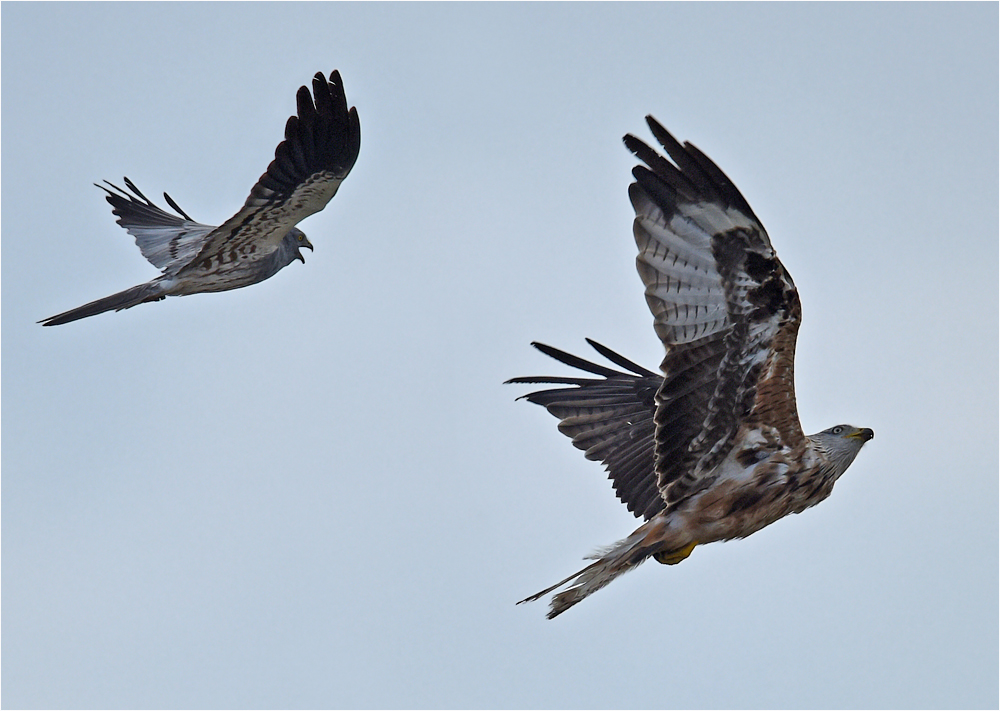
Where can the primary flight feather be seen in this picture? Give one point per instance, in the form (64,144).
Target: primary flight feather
(321,146)
(710,448)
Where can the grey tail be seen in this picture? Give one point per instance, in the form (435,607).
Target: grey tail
(150,291)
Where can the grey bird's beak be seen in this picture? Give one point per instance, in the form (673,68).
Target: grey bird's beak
(298,252)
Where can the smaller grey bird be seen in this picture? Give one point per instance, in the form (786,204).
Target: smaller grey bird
(321,146)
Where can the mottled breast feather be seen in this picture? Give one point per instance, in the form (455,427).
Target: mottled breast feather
(724,307)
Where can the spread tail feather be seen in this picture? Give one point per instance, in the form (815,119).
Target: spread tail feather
(150,291)
(623,556)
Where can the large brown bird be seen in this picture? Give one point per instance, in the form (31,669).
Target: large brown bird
(711,448)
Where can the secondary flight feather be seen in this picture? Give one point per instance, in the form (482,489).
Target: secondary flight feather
(710,448)
(321,145)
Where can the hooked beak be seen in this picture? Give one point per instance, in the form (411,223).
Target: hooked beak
(298,252)
(863,434)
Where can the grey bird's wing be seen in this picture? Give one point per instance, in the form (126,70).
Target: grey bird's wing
(167,241)
(321,146)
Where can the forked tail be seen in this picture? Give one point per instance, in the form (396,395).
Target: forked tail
(150,291)
(627,554)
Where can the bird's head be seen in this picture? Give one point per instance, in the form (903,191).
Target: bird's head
(841,443)
(296,239)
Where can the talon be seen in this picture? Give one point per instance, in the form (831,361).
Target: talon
(675,557)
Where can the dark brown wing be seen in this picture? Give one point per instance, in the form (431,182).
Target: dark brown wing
(724,307)
(610,418)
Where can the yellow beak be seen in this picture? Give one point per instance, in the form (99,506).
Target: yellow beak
(864,434)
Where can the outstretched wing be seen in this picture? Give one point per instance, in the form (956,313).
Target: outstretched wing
(610,418)
(166,240)
(321,146)
(724,307)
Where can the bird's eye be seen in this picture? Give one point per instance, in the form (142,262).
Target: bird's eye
(300,237)
(837,430)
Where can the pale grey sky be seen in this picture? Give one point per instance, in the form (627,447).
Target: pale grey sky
(315,492)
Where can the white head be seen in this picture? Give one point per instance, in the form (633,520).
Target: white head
(841,444)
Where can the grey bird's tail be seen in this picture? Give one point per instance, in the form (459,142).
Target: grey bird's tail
(626,555)
(150,291)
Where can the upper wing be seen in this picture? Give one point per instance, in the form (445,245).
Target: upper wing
(321,146)
(164,239)
(610,419)
(724,307)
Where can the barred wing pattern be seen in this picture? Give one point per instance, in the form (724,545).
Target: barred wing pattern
(321,146)
(712,449)
(610,419)
(727,313)
(163,239)
(724,307)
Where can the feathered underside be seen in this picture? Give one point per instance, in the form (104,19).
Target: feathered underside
(724,307)
(610,419)
(171,241)
(712,448)
(727,313)
(168,241)
(321,146)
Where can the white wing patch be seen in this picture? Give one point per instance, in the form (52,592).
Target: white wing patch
(165,239)
(683,287)
(714,219)
(166,246)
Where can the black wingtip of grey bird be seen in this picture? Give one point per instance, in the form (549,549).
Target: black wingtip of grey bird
(108,183)
(175,206)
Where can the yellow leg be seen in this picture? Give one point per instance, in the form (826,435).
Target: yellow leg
(675,557)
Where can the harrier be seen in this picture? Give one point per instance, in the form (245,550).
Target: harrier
(321,146)
(709,449)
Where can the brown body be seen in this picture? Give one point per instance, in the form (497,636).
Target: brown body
(711,449)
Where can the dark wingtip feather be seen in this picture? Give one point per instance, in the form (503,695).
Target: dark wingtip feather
(618,359)
(573,361)
(175,206)
(695,175)
(581,364)
(323,136)
(304,103)
(666,139)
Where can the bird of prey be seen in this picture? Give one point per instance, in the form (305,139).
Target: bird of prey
(709,449)
(321,146)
